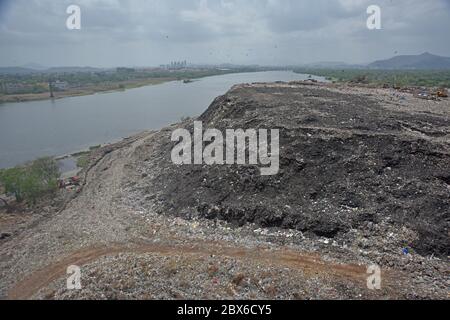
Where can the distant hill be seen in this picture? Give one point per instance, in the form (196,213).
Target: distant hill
(34,66)
(72,69)
(29,70)
(16,70)
(333,65)
(422,61)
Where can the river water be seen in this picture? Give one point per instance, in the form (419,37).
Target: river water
(29,130)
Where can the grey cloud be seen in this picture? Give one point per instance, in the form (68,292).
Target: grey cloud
(239,31)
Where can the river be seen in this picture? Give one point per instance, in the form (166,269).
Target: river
(29,130)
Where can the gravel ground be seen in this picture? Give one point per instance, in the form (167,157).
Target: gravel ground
(131,245)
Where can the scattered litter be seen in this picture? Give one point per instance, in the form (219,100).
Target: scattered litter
(442,93)
(70,183)
(4,236)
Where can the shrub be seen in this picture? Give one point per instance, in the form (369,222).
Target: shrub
(32,181)
(83,160)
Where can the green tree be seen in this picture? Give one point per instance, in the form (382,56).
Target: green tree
(2,190)
(12,181)
(32,181)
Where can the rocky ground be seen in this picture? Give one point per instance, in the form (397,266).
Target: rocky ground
(364,180)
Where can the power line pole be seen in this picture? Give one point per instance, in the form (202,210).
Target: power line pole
(50,87)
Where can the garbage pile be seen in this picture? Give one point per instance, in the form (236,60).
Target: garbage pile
(345,160)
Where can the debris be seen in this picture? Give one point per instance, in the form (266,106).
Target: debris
(238,279)
(442,93)
(4,235)
(426,96)
(69,183)
(315,184)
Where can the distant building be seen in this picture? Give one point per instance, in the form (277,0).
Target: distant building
(60,85)
(3,87)
(11,88)
(175,65)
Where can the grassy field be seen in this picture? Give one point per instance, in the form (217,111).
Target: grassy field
(402,78)
(82,91)
(89,83)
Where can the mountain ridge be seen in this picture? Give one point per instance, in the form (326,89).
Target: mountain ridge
(422,61)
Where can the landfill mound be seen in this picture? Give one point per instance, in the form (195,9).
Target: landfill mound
(350,159)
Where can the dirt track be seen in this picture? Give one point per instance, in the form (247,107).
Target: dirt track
(283,258)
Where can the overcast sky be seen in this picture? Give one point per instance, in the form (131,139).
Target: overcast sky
(268,32)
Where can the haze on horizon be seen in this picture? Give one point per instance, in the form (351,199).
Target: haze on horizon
(265,32)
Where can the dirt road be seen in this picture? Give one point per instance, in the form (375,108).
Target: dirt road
(29,286)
